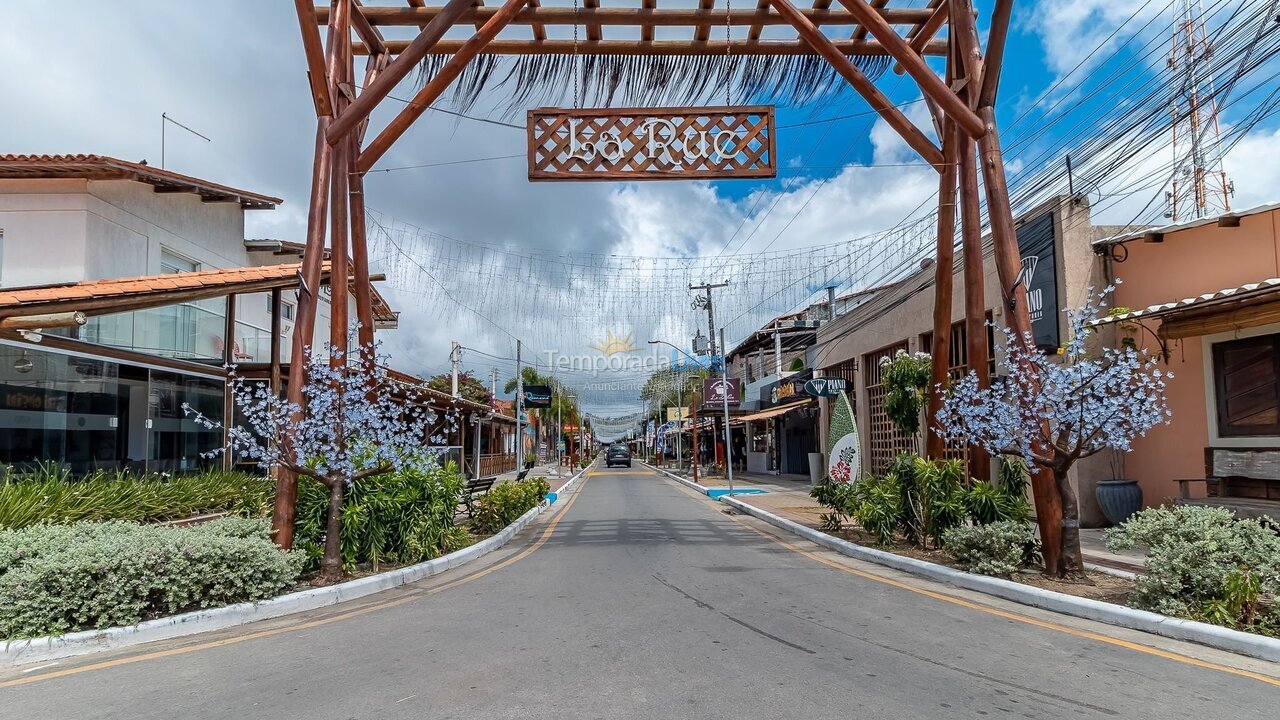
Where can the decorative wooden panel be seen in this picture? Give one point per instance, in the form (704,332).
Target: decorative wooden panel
(652,143)
(884,440)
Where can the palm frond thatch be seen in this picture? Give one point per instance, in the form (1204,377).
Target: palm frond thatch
(646,80)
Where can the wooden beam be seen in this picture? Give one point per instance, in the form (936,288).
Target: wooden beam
(228,360)
(964,32)
(975,295)
(930,84)
(433,89)
(409,57)
(702,31)
(646,30)
(659,47)
(996,36)
(635,17)
(314,53)
(861,32)
(762,6)
(593,28)
(539,29)
(860,82)
(371,36)
(927,32)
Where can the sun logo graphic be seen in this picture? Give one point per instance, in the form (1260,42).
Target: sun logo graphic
(614,344)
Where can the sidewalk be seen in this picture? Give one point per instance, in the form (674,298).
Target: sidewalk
(788,496)
(546,470)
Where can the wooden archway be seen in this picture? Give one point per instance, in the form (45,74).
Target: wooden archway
(961,101)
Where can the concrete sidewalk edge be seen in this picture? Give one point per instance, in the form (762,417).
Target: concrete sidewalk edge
(33,650)
(1235,641)
(689,483)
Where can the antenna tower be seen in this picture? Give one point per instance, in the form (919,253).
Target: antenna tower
(1200,185)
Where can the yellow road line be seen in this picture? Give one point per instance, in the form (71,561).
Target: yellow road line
(156,655)
(1086,634)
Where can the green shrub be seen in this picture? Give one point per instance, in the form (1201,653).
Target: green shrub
(56,579)
(876,504)
(402,517)
(1205,564)
(906,380)
(506,502)
(996,548)
(49,494)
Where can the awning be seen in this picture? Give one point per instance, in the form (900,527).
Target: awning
(773,412)
(1240,307)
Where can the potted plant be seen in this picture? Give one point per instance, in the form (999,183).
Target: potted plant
(530,459)
(1119,497)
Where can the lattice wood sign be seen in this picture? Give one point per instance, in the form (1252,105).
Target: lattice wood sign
(652,143)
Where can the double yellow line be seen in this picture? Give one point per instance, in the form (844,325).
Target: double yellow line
(156,655)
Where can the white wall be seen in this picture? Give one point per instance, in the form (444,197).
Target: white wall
(68,230)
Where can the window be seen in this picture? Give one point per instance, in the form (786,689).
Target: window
(286,309)
(171,263)
(1246,379)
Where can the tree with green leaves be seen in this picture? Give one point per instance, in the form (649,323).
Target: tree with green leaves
(468,387)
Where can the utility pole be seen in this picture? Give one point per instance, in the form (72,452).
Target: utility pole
(455,356)
(679,416)
(519,405)
(493,383)
(777,347)
(724,394)
(704,302)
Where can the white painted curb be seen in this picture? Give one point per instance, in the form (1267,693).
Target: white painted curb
(1214,636)
(21,652)
(688,483)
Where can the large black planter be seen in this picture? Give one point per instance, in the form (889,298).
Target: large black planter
(1119,499)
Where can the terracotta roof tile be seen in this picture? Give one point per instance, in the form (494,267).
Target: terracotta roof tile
(102,167)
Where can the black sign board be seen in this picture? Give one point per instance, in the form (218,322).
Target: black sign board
(826,387)
(1039,275)
(537,396)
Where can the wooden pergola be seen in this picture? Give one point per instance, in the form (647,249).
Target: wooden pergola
(846,34)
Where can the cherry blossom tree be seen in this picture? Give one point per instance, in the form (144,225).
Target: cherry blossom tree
(357,423)
(1053,411)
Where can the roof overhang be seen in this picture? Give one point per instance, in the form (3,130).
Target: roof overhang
(1228,309)
(1228,219)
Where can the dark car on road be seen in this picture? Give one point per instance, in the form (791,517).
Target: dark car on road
(617,454)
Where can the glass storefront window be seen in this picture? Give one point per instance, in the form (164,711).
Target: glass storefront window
(90,414)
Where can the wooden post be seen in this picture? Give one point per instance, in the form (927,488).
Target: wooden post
(975,303)
(228,359)
(360,255)
(942,288)
(275,340)
(1048,501)
(340,274)
(286,495)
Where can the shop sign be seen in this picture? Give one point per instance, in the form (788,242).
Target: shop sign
(714,391)
(1039,275)
(826,387)
(537,396)
(677,414)
(784,391)
(651,143)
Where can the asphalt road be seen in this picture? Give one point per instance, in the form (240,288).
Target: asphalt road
(642,600)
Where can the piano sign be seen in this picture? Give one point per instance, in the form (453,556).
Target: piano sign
(652,143)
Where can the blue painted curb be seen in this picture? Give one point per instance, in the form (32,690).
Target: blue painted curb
(717,493)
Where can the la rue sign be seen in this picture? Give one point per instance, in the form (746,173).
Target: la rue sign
(651,143)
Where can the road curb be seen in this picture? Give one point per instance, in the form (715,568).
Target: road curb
(45,649)
(1243,643)
(688,483)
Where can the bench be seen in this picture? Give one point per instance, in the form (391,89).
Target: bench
(1245,481)
(474,488)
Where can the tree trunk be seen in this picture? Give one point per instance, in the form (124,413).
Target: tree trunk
(1070,561)
(331,565)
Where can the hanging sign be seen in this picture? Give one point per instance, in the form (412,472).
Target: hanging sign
(845,462)
(825,387)
(537,396)
(652,143)
(677,414)
(714,391)
(1039,275)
